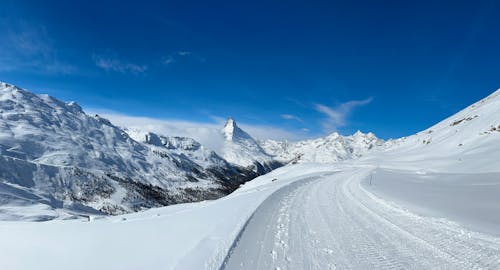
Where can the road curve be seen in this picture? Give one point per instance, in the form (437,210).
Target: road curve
(331,222)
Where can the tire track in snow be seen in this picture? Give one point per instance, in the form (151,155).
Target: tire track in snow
(333,223)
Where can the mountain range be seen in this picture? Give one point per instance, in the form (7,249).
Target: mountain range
(56,161)
(64,162)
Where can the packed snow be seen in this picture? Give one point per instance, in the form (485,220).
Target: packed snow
(184,236)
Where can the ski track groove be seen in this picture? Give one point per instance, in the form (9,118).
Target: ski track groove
(333,222)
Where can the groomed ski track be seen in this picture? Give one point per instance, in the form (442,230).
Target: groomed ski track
(334,222)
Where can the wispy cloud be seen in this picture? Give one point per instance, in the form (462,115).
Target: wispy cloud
(292,117)
(168,60)
(184,53)
(115,64)
(29,47)
(179,55)
(207,133)
(337,117)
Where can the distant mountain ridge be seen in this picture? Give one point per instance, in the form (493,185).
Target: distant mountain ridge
(331,148)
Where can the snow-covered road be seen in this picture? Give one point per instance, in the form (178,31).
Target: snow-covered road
(332,222)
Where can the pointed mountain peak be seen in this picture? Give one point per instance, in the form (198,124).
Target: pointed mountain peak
(230,129)
(233,132)
(230,123)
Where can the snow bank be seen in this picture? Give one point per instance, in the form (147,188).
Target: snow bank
(185,236)
(469,199)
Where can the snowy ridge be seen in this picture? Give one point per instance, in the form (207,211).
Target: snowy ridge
(53,153)
(331,148)
(188,147)
(467,137)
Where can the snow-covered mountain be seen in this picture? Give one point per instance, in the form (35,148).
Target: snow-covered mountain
(466,137)
(206,160)
(241,149)
(188,147)
(428,200)
(53,155)
(331,148)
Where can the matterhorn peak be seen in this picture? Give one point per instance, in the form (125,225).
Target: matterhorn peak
(230,123)
(232,132)
(229,128)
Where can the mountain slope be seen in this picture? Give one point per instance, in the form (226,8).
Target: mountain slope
(54,154)
(467,137)
(331,148)
(208,163)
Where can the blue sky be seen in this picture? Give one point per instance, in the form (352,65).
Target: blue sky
(300,68)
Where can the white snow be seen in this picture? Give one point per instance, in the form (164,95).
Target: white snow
(240,148)
(331,148)
(188,147)
(409,205)
(185,236)
(52,153)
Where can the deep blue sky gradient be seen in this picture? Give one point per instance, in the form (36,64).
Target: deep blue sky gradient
(420,61)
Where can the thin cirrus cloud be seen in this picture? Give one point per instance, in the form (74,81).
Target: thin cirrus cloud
(115,64)
(29,47)
(337,117)
(291,117)
(180,55)
(184,53)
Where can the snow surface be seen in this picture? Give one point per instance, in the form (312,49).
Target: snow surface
(470,199)
(331,222)
(469,137)
(391,208)
(184,236)
(331,148)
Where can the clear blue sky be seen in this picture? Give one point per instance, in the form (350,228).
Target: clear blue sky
(311,67)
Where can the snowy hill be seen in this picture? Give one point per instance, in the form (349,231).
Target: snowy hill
(241,149)
(53,155)
(331,148)
(466,138)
